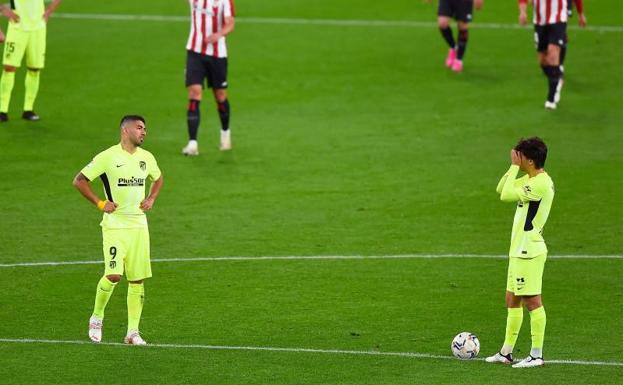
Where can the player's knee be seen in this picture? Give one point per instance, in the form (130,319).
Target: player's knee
(114,278)
(220,95)
(443,22)
(10,68)
(194,92)
(463,26)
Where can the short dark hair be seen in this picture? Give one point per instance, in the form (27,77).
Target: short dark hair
(131,118)
(534,149)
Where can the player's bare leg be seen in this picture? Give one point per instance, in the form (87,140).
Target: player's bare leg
(31,88)
(6,88)
(195,91)
(136,297)
(220,96)
(105,287)
(446,31)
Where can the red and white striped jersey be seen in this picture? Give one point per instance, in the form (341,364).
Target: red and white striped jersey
(548,11)
(207,17)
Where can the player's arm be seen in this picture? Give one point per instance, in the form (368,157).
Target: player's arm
(154,190)
(523,12)
(579,6)
(81,183)
(8,13)
(228,27)
(50,9)
(478,4)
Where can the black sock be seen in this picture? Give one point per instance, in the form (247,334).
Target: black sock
(193,118)
(447,35)
(553,77)
(463,35)
(223,113)
(563,53)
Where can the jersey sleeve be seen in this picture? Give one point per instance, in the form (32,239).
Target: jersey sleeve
(154,172)
(514,192)
(229,10)
(96,167)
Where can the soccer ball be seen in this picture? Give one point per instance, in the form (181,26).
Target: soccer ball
(465,346)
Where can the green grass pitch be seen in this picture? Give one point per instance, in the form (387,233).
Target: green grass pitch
(348,140)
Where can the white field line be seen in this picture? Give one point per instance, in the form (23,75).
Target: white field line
(312,257)
(288,350)
(327,22)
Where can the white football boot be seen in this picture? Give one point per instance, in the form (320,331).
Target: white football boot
(225,140)
(191,149)
(498,357)
(550,105)
(134,338)
(95,329)
(529,362)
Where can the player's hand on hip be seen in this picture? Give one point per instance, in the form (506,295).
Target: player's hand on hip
(12,16)
(147,204)
(110,207)
(582,20)
(213,39)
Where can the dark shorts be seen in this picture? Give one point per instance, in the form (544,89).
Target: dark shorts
(545,35)
(461,10)
(200,68)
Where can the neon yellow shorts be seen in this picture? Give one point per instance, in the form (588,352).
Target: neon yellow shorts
(127,249)
(525,275)
(19,43)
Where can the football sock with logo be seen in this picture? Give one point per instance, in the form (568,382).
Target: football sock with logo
(463,35)
(136,298)
(193,118)
(102,295)
(514,320)
(553,77)
(223,113)
(6,87)
(447,35)
(538,320)
(31,84)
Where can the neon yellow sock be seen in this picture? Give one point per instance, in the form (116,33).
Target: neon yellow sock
(31,84)
(514,320)
(538,319)
(102,295)
(6,87)
(136,298)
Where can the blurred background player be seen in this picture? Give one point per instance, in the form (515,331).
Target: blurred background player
(124,170)
(533,194)
(550,32)
(579,6)
(206,60)
(26,35)
(461,11)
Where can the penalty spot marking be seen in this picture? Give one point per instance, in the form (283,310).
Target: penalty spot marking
(310,257)
(288,350)
(329,22)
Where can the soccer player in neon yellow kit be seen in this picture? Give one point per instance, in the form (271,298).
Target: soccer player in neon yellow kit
(533,193)
(26,35)
(124,170)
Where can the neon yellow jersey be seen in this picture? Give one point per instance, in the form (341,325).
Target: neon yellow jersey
(534,197)
(30,14)
(123,176)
